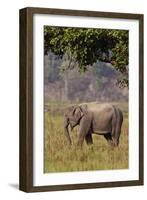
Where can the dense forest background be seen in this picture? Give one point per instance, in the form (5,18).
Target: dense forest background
(98,83)
(85,64)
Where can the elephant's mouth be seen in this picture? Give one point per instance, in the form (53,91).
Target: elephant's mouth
(72,125)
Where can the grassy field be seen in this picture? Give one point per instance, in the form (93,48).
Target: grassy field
(60,157)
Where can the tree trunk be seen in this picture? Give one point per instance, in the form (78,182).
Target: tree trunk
(66,86)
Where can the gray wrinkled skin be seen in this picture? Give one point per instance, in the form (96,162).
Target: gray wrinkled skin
(94,118)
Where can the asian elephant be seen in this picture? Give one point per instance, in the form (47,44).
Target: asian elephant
(102,119)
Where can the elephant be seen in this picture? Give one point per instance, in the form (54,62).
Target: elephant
(94,118)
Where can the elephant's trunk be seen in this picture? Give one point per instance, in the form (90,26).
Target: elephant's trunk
(66,131)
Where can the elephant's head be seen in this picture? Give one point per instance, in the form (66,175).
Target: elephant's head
(72,117)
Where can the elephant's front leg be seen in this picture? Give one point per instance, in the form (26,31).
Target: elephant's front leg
(85,125)
(80,140)
(81,135)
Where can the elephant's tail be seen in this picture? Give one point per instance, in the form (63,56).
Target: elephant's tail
(117,123)
(114,122)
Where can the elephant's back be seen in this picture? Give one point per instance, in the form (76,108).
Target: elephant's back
(100,107)
(102,117)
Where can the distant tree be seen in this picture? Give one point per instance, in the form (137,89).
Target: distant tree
(84,46)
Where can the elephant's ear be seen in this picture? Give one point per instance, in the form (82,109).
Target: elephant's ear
(84,109)
(78,112)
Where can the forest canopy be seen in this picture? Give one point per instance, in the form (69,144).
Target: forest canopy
(85,46)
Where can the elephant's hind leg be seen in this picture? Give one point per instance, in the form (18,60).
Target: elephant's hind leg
(88,139)
(108,137)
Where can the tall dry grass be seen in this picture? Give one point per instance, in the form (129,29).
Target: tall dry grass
(60,157)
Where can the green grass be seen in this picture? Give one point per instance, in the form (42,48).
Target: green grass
(60,157)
